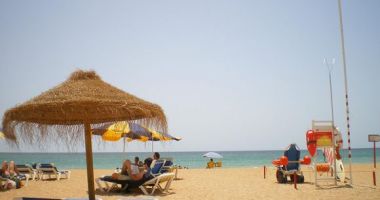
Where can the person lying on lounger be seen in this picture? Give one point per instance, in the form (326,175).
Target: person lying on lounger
(140,178)
(133,180)
(125,174)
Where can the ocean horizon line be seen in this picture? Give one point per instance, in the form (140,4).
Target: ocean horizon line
(359,148)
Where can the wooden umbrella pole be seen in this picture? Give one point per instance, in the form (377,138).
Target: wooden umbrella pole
(89,161)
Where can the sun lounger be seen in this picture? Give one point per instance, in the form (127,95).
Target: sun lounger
(168,164)
(169,167)
(156,170)
(107,180)
(27,170)
(156,182)
(38,198)
(139,198)
(50,170)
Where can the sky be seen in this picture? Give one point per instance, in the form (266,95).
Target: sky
(230,75)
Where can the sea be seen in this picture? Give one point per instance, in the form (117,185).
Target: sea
(191,160)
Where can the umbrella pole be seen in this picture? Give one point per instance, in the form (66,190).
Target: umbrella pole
(89,161)
(124,144)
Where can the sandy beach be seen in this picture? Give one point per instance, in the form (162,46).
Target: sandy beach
(223,183)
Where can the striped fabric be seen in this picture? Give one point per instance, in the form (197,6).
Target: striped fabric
(329,155)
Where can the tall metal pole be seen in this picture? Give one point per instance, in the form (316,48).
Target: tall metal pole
(346,88)
(332,119)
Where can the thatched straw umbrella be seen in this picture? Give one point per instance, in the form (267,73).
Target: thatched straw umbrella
(82,100)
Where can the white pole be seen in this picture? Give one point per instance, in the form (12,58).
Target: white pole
(332,117)
(124,144)
(346,88)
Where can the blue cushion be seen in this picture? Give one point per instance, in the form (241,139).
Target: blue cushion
(168,163)
(157,167)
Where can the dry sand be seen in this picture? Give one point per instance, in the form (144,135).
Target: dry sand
(223,183)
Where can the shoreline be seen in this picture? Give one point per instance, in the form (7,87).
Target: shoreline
(219,183)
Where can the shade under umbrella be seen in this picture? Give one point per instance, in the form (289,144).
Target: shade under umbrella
(74,105)
(212,155)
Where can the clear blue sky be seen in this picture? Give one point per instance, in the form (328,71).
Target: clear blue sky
(230,75)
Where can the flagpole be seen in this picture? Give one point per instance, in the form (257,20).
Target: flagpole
(346,87)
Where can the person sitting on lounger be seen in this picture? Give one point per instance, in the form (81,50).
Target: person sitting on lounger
(133,180)
(156,156)
(140,178)
(10,172)
(4,169)
(5,183)
(15,174)
(211,164)
(135,166)
(128,171)
(125,174)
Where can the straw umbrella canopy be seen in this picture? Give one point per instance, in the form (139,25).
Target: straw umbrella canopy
(74,105)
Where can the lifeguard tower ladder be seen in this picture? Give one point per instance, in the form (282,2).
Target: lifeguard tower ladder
(325,141)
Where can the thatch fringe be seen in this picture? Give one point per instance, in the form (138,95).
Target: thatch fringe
(69,137)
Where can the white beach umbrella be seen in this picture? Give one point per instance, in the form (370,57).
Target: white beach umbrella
(212,155)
